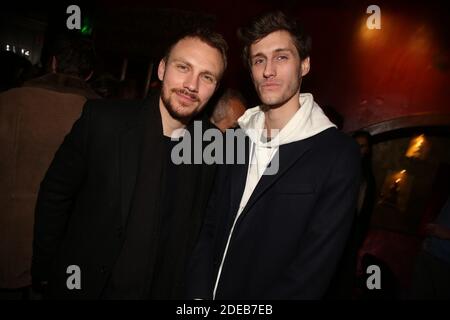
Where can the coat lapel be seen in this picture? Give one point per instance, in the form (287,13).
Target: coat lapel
(130,150)
(239,178)
(288,155)
(139,143)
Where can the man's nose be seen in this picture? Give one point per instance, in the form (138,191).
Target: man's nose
(191,82)
(269,70)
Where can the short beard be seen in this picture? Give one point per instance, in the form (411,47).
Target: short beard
(267,107)
(171,110)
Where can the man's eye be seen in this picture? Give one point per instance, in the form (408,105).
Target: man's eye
(182,67)
(258,61)
(280,58)
(209,79)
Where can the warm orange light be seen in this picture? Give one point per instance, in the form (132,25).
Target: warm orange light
(399,177)
(416,145)
(420,41)
(366,34)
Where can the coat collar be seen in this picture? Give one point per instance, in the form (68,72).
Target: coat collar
(288,155)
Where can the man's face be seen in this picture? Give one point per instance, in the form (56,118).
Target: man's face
(189,77)
(235,109)
(276,68)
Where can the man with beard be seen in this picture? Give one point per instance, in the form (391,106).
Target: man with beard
(278,235)
(115,217)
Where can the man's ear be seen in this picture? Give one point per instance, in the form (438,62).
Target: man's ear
(305,66)
(161,69)
(217,86)
(54,64)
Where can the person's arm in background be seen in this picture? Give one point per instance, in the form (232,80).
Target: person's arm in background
(56,196)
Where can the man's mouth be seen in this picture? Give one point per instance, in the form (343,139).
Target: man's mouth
(270,85)
(185,95)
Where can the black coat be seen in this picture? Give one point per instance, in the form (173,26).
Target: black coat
(109,165)
(291,234)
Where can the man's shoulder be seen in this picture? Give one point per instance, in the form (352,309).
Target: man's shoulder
(336,137)
(12,93)
(114,110)
(334,141)
(62,84)
(121,106)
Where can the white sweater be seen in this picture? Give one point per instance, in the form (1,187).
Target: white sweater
(308,121)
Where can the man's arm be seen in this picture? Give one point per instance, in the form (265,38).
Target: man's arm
(309,276)
(56,197)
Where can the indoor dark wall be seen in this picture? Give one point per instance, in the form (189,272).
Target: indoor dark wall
(368,76)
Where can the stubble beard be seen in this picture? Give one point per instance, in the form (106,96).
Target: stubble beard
(172,110)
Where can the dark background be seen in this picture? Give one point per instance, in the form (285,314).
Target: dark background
(393,82)
(365,76)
